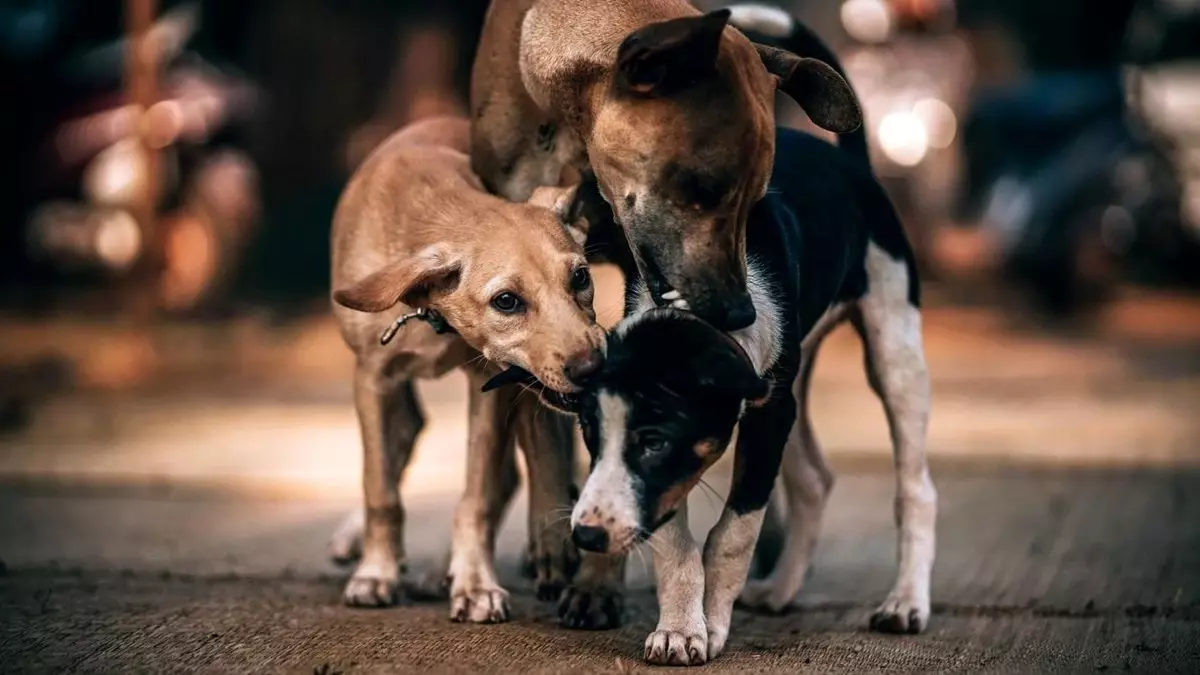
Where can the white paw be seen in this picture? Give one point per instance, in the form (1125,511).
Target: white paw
(480,604)
(765,596)
(716,642)
(901,613)
(668,648)
(345,546)
(373,585)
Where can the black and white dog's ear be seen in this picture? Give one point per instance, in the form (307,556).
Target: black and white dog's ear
(727,368)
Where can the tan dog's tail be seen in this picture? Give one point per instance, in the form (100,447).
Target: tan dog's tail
(774,26)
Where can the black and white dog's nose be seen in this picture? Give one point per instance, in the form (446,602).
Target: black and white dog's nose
(590,538)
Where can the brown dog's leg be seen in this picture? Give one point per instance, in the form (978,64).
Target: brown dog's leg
(475,594)
(595,600)
(548,441)
(390,418)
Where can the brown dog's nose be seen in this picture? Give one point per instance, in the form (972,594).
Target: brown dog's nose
(579,367)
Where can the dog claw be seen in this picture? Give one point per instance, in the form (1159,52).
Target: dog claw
(900,616)
(485,605)
(366,591)
(590,608)
(668,648)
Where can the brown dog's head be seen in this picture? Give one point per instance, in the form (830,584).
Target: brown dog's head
(520,292)
(682,142)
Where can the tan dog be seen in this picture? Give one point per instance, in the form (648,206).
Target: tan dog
(670,109)
(414,229)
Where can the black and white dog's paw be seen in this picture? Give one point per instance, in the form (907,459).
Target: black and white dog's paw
(669,648)
(901,613)
(374,585)
(591,607)
(765,596)
(477,601)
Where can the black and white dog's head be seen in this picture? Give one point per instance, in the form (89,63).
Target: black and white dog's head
(657,415)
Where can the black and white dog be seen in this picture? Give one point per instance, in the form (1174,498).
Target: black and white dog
(823,246)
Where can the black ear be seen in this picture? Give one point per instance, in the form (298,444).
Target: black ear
(816,87)
(727,368)
(669,56)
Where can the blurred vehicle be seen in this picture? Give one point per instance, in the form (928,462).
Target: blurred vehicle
(911,72)
(103,157)
(1078,183)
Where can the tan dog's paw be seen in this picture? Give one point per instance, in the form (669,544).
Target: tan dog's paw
(764,596)
(668,648)
(483,604)
(374,586)
(591,607)
(901,613)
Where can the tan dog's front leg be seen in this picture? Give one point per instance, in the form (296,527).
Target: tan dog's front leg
(548,441)
(390,418)
(475,594)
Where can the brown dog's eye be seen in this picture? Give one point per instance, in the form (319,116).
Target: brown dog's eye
(508,303)
(581,279)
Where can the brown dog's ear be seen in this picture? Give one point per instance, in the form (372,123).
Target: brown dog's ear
(668,56)
(561,202)
(817,87)
(407,280)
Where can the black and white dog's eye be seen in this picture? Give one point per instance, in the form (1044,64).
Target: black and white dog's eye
(581,279)
(655,446)
(508,303)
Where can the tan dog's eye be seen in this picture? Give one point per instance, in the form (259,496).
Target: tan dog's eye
(508,303)
(581,279)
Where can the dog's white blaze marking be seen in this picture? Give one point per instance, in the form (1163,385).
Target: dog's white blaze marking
(762,340)
(727,555)
(609,488)
(893,328)
(765,19)
(679,576)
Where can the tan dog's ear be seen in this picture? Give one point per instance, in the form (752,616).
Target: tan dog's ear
(579,208)
(668,56)
(817,87)
(408,280)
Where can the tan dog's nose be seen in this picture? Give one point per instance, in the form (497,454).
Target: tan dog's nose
(579,367)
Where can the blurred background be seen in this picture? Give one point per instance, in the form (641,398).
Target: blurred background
(172,168)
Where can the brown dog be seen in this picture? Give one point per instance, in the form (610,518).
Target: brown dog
(415,230)
(670,109)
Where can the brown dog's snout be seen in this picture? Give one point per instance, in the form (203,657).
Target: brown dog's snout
(727,311)
(580,366)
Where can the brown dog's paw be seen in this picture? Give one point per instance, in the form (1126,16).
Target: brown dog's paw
(369,588)
(668,648)
(900,614)
(479,605)
(584,607)
(555,565)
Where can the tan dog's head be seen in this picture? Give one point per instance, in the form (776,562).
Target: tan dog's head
(520,292)
(682,142)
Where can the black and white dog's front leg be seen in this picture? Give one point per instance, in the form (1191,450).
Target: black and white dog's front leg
(762,434)
(680,639)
